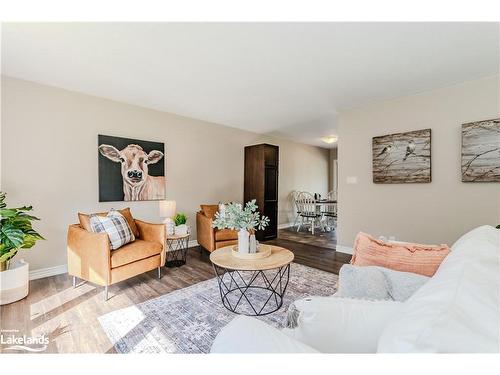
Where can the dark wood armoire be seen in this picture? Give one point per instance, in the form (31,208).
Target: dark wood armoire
(261,184)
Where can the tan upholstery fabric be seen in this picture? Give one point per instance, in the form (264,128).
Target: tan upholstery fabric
(220,244)
(205,232)
(208,237)
(85,220)
(154,233)
(88,255)
(209,210)
(226,235)
(134,251)
(133,269)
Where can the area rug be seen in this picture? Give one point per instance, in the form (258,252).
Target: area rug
(189,319)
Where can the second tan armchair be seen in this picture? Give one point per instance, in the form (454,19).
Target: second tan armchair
(208,237)
(90,257)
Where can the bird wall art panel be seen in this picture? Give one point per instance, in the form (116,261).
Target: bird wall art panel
(402,158)
(481,151)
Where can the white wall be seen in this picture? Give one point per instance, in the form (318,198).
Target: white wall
(49,160)
(436,212)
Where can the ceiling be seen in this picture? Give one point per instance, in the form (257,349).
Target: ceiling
(285,79)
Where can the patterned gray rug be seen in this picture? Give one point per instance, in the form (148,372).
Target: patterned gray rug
(189,319)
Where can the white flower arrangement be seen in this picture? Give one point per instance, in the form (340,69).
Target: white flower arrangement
(237,217)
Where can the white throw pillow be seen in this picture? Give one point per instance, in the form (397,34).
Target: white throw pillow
(373,282)
(115,226)
(342,325)
(458,309)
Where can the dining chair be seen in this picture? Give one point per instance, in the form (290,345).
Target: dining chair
(294,197)
(307,207)
(329,210)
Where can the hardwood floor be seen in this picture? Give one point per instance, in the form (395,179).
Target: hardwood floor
(325,259)
(319,238)
(69,316)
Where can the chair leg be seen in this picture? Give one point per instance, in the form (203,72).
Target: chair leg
(159,272)
(296,220)
(300,224)
(106,293)
(313,221)
(74,281)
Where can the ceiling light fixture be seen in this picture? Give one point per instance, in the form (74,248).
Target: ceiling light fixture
(330,139)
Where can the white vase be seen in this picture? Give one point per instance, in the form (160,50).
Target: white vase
(253,244)
(14,284)
(243,241)
(181,230)
(169,226)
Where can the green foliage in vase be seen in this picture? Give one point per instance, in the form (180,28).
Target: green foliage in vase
(180,219)
(238,217)
(16,231)
(498,226)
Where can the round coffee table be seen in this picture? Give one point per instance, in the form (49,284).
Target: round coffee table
(253,287)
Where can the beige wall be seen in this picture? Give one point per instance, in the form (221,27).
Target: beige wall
(437,212)
(332,173)
(49,159)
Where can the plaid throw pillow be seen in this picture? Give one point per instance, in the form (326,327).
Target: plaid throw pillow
(116,227)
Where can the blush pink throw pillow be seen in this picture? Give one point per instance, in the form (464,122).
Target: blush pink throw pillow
(406,257)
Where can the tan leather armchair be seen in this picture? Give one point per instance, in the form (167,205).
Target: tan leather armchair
(210,238)
(90,257)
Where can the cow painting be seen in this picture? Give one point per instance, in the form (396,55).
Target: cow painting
(140,166)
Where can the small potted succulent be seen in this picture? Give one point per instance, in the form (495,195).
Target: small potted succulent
(181,229)
(244,219)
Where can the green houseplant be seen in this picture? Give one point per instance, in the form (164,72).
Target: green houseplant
(16,231)
(180,221)
(244,219)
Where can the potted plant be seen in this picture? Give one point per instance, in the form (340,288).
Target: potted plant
(243,219)
(16,232)
(181,228)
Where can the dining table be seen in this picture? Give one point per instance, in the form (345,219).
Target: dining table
(325,205)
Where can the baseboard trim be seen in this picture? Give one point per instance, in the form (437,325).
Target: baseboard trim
(193,243)
(344,249)
(284,226)
(49,271)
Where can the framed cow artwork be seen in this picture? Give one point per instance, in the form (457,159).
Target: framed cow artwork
(130,169)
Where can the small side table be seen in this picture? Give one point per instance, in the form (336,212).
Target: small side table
(176,250)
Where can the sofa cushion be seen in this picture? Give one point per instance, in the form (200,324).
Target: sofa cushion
(115,226)
(226,235)
(85,220)
(209,210)
(340,325)
(134,251)
(457,310)
(249,335)
(405,257)
(374,282)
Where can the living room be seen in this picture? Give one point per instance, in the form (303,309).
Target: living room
(212,187)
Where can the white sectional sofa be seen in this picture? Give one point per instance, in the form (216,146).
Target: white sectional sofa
(457,310)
